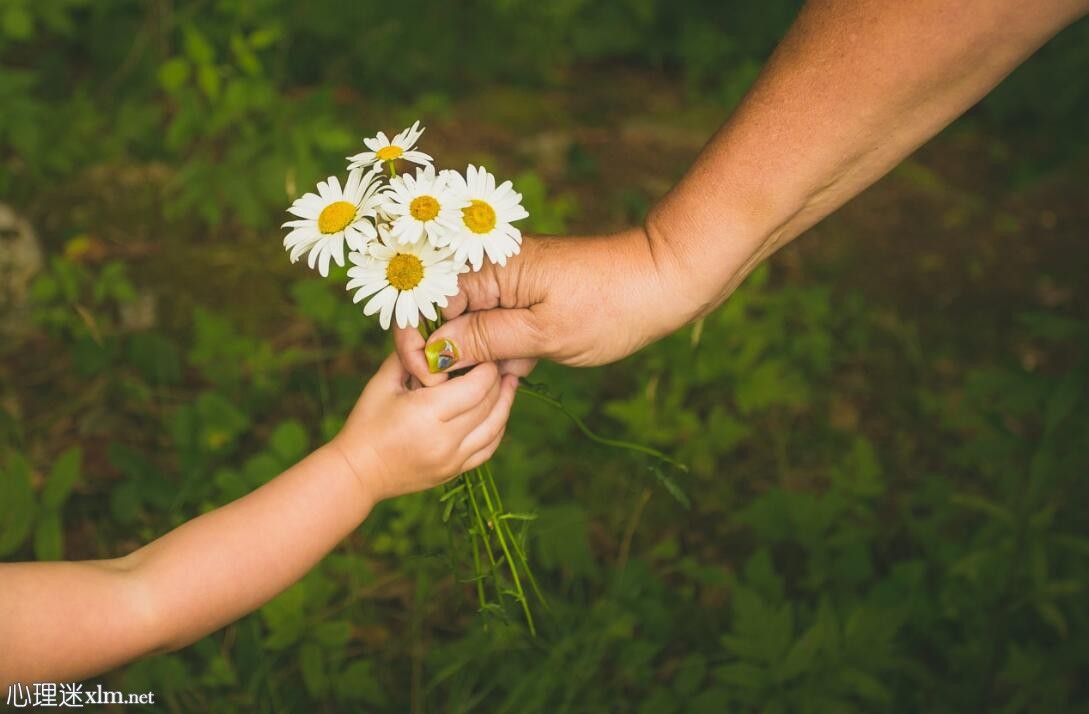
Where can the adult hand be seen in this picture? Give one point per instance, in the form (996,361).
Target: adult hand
(577,301)
(834,110)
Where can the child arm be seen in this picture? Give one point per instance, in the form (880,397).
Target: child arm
(63,621)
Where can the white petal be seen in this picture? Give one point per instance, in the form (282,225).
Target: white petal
(304,211)
(406,310)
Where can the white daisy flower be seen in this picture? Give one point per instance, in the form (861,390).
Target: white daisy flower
(422,206)
(332,217)
(484,226)
(381,149)
(405,280)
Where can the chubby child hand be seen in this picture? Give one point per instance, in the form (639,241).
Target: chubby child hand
(399,441)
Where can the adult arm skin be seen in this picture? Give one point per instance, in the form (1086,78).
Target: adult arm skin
(60,622)
(853,88)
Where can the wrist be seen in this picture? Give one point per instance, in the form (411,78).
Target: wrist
(701,259)
(677,285)
(358,468)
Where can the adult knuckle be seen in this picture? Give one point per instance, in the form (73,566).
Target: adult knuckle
(479,336)
(534,333)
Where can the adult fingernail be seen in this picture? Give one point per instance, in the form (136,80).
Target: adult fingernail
(441,355)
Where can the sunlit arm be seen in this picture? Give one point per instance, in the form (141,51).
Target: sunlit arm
(63,621)
(854,87)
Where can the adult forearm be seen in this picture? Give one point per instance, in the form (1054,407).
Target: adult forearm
(855,86)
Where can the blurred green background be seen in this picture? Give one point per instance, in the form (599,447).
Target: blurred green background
(886,425)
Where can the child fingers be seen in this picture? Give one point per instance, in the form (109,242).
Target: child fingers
(464,423)
(494,423)
(391,376)
(483,454)
(410,346)
(461,394)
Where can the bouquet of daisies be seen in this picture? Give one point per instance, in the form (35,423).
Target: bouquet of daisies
(408,237)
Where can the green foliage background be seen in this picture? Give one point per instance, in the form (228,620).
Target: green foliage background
(887,426)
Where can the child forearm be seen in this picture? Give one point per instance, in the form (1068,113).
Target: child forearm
(211,570)
(62,621)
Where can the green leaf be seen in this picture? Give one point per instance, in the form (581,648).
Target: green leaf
(17,505)
(312,665)
(259,39)
(860,472)
(65,473)
(209,80)
(563,540)
(762,632)
(1053,327)
(1051,614)
(772,383)
(804,652)
(761,576)
(333,634)
(315,301)
(448,510)
(660,701)
(197,46)
(671,487)
(451,492)
(726,431)
(359,682)
(155,355)
(125,501)
(289,441)
(48,537)
(518,517)
(220,421)
(333,139)
(983,505)
(17,22)
(220,673)
(865,685)
(690,674)
(330,427)
(1062,401)
(284,617)
(261,469)
(742,675)
(245,56)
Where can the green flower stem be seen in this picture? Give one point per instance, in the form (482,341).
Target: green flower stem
(482,527)
(505,523)
(479,527)
(534,391)
(499,534)
(477,571)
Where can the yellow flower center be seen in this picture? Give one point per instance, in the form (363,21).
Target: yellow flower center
(389,153)
(405,271)
(424,208)
(479,217)
(336,217)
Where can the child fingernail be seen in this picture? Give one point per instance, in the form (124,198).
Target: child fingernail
(441,355)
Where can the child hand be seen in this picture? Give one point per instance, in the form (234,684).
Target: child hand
(398,441)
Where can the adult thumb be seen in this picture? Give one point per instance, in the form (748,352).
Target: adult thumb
(483,336)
